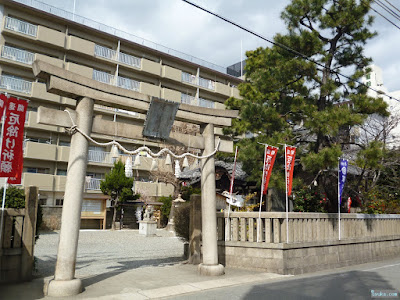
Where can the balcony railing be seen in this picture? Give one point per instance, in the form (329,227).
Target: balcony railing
(122,82)
(206,83)
(199,81)
(119,57)
(92,183)
(128,84)
(103,77)
(105,52)
(206,103)
(129,60)
(21,26)
(16,54)
(187,99)
(15,84)
(100,157)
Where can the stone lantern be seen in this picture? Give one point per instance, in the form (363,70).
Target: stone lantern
(175,204)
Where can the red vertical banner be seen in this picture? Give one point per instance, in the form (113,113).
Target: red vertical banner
(270,155)
(11,157)
(289,161)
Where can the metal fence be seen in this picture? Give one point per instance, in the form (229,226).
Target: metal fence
(21,26)
(15,84)
(18,55)
(129,60)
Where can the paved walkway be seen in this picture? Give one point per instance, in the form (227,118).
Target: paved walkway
(128,266)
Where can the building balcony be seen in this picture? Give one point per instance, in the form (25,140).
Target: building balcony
(187,99)
(116,56)
(15,84)
(59,183)
(198,81)
(17,55)
(128,84)
(44,182)
(122,82)
(105,52)
(92,184)
(129,60)
(21,26)
(100,157)
(37,32)
(40,151)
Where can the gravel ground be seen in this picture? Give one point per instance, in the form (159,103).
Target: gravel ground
(102,251)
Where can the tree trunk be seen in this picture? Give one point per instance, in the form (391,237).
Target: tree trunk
(114,214)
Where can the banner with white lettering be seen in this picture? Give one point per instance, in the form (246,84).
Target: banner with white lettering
(270,155)
(11,157)
(343,164)
(290,153)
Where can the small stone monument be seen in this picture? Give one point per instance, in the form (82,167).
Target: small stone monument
(148,226)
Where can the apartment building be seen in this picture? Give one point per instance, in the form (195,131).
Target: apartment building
(31,30)
(374,80)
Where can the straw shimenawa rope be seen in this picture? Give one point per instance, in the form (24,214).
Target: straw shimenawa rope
(74,128)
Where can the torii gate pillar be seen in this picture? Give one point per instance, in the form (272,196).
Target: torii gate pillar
(64,282)
(210,264)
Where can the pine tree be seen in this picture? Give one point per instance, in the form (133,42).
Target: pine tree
(290,99)
(118,187)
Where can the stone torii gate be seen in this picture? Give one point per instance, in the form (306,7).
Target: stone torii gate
(88,92)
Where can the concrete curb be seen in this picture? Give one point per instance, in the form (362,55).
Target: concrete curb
(190,287)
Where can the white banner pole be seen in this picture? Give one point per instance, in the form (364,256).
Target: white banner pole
(287,198)
(339,197)
(3,119)
(262,192)
(232,179)
(2,211)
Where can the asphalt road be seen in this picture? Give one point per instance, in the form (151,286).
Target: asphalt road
(356,282)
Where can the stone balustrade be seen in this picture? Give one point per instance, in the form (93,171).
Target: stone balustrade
(303,227)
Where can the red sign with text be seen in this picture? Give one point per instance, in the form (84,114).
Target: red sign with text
(289,161)
(270,155)
(11,157)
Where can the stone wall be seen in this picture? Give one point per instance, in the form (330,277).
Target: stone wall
(299,258)
(51,218)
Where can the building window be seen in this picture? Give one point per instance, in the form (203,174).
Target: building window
(62,172)
(38,170)
(63,143)
(38,140)
(368,83)
(59,202)
(368,76)
(43,201)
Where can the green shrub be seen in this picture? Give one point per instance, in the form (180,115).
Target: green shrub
(309,199)
(186,191)
(165,208)
(15,198)
(182,221)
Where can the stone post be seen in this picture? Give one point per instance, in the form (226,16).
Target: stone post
(195,230)
(210,264)
(64,282)
(28,238)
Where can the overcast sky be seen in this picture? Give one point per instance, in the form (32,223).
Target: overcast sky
(178,25)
